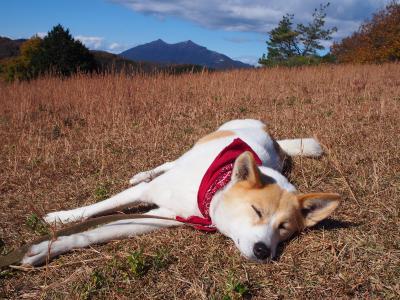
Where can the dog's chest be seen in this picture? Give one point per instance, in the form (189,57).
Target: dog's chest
(177,189)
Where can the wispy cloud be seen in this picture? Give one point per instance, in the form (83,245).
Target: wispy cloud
(116,48)
(92,42)
(257,15)
(100,43)
(41,34)
(248,59)
(241,39)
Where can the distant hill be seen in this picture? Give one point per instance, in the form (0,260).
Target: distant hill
(115,63)
(112,62)
(9,47)
(182,53)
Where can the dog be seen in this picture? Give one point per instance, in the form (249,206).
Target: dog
(230,181)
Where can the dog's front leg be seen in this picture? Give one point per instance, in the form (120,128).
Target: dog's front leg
(114,203)
(38,254)
(149,175)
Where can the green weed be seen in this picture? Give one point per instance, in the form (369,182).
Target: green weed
(235,289)
(162,259)
(97,281)
(137,263)
(37,224)
(102,192)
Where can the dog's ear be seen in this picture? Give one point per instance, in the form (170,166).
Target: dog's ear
(245,168)
(317,206)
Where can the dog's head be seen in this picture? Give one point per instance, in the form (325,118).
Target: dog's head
(258,214)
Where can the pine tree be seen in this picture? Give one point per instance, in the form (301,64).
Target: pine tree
(63,55)
(287,45)
(282,43)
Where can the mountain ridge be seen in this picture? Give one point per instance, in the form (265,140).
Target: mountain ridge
(9,47)
(186,52)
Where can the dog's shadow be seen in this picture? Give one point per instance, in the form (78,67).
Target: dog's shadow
(332,224)
(327,224)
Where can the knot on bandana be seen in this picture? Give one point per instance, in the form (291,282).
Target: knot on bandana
(217,176)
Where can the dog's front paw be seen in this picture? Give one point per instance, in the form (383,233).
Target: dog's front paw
(140,177)
(64,216)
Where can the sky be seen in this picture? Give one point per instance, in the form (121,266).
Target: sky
(237,28)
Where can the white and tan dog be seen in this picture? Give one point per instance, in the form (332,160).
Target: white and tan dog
(250,202)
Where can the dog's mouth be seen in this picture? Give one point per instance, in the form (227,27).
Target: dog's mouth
(253,258)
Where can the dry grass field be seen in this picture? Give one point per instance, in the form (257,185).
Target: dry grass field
(68,143)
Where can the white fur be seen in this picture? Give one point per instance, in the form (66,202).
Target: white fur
(172,186)
(304,147)
(39,253)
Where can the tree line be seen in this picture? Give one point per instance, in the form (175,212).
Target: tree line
(57,53)
(377,40)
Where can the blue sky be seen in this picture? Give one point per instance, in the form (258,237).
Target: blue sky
(236,28)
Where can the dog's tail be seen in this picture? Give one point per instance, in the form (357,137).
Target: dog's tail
(303,147)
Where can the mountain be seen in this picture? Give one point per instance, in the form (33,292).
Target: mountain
(182,53)
(9,47)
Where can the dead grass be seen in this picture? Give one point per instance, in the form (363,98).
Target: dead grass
(72,142)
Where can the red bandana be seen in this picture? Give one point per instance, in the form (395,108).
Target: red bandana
(217,176)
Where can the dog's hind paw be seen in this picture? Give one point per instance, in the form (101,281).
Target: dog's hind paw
(64,216)
(37,254)
(40,253)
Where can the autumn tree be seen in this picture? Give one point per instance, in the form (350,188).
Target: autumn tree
(26,65)
(300,45)
(377,40)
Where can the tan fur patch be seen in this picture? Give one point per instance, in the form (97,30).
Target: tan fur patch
(214,136)
(318,205)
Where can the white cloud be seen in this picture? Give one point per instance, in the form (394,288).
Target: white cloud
(248,59)
(41,34)
(100,43)
(92,42)
(115,48)
(95,43)
(239,39)
(257,15)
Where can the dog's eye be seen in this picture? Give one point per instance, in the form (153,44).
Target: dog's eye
(258,212)
(283,225)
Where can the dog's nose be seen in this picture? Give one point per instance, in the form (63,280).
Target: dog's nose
(261,251)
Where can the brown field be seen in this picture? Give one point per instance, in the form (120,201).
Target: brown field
(68,143)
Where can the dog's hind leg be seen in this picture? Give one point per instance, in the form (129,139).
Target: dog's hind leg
(114,203)
(149,175)
(38,254)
